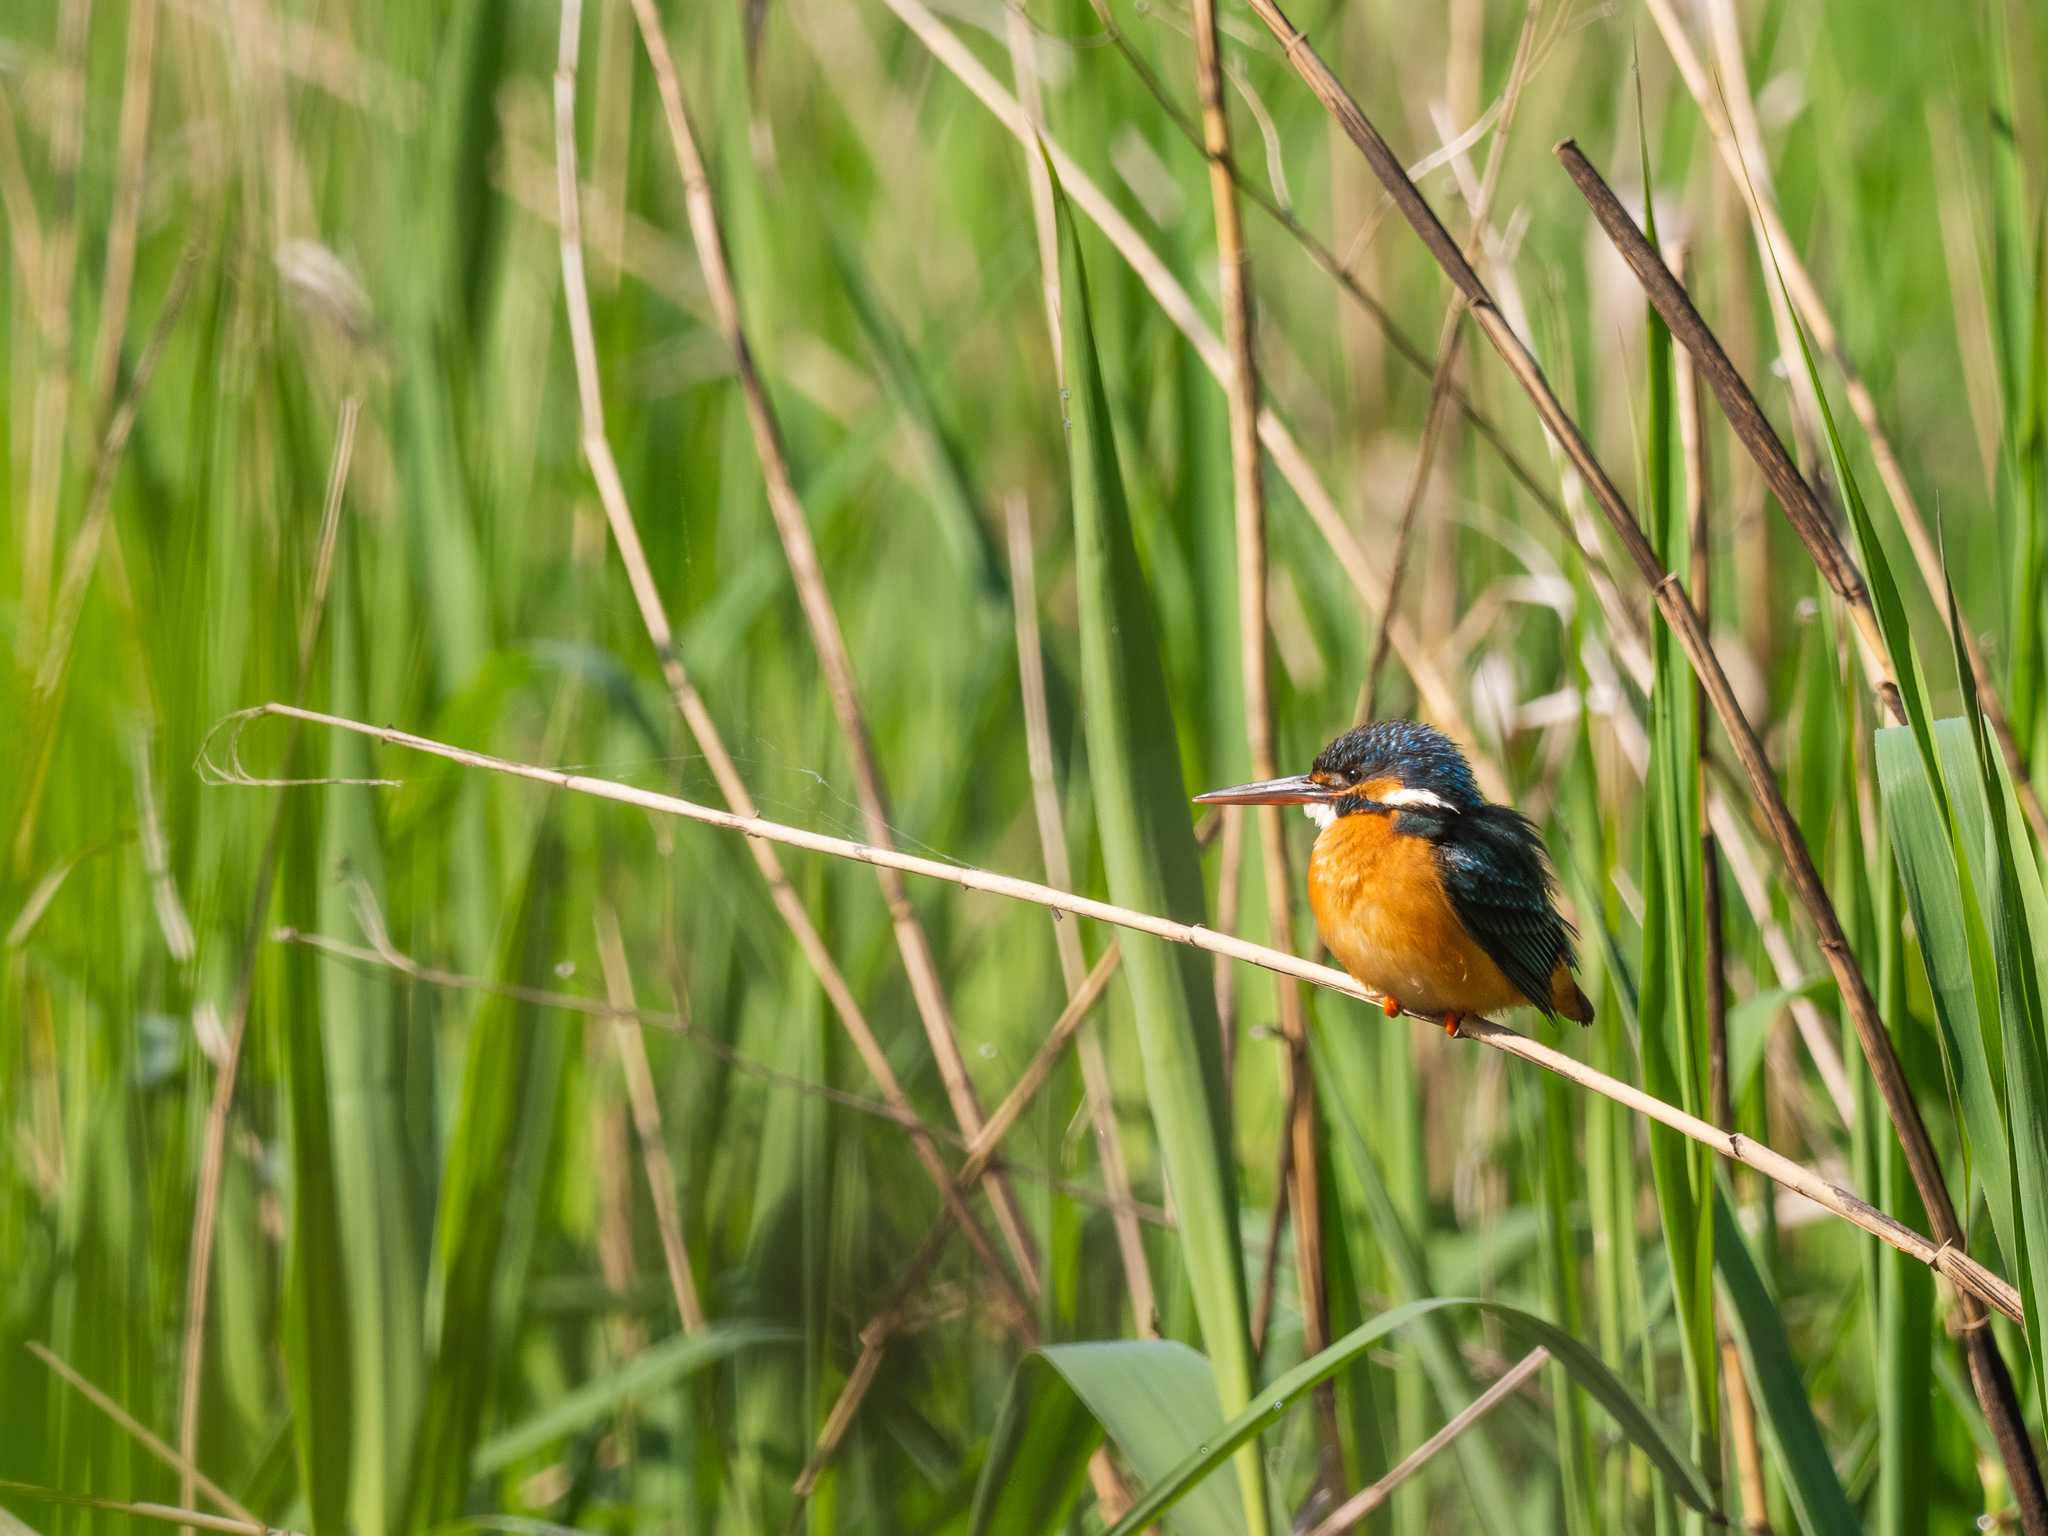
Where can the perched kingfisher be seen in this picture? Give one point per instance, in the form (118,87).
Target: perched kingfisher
(1429,895)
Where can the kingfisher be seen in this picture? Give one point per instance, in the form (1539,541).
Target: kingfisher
(1429,894)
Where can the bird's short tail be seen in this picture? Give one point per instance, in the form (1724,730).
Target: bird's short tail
(1565,996)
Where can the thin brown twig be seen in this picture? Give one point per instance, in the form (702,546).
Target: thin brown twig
(890,1317)
(1338,270)
(1366,1500)
(1450,336)
(1432,682)
(814,596)
(1052,842)
(1800,503)
(1947,1258)
(646,1107)
(1748,171)
(689,704)
(1302,1179)
(141,1433)
(213,1145)
(1024,71)
(1992,1380)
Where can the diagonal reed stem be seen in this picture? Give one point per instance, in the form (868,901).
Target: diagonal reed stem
(1739,404)
(1947,1258)
(1432,683)
(1449,343)
(794,529)
(1716,100)
(1366,1500)
(689,704)
(1052,842)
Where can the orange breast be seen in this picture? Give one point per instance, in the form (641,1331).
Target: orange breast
(1382,910)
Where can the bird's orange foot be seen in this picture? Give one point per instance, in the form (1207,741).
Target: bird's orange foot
(1453,1026)
(1392,1006)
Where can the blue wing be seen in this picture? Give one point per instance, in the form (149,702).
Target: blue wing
(1493,869)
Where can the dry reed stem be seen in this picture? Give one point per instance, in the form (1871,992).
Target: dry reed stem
(1989,1374)
(1749,1460)
(794,529)
(1052,838)
(1946,1258)
(689,704)
(142,1434)
(646,1107)
(1173,299)
(1339,271)
(1748,170)
(1801,505)
(1302,1179)
(1052,842)
(889,1319)
(167,1514)
(1366,1500)
(1449,341)
(213,1145)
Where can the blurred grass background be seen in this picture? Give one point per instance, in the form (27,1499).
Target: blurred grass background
(439,1286)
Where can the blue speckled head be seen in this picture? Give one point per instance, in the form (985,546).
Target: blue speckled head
(1420,756)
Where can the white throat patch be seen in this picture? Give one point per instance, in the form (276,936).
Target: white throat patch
(1321,812)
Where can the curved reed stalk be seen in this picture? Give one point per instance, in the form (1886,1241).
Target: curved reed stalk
(1947,1259)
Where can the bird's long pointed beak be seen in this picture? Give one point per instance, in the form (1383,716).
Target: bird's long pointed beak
(1295,789)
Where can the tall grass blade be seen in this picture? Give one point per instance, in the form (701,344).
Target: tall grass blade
(316,1350)
(1790,1432)
(504,1117)
(1152,1397)
(656,1369)
(1149,856)
(1673,1037)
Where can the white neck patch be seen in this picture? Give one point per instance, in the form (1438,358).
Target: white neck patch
(1425,797)
(1321,812)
